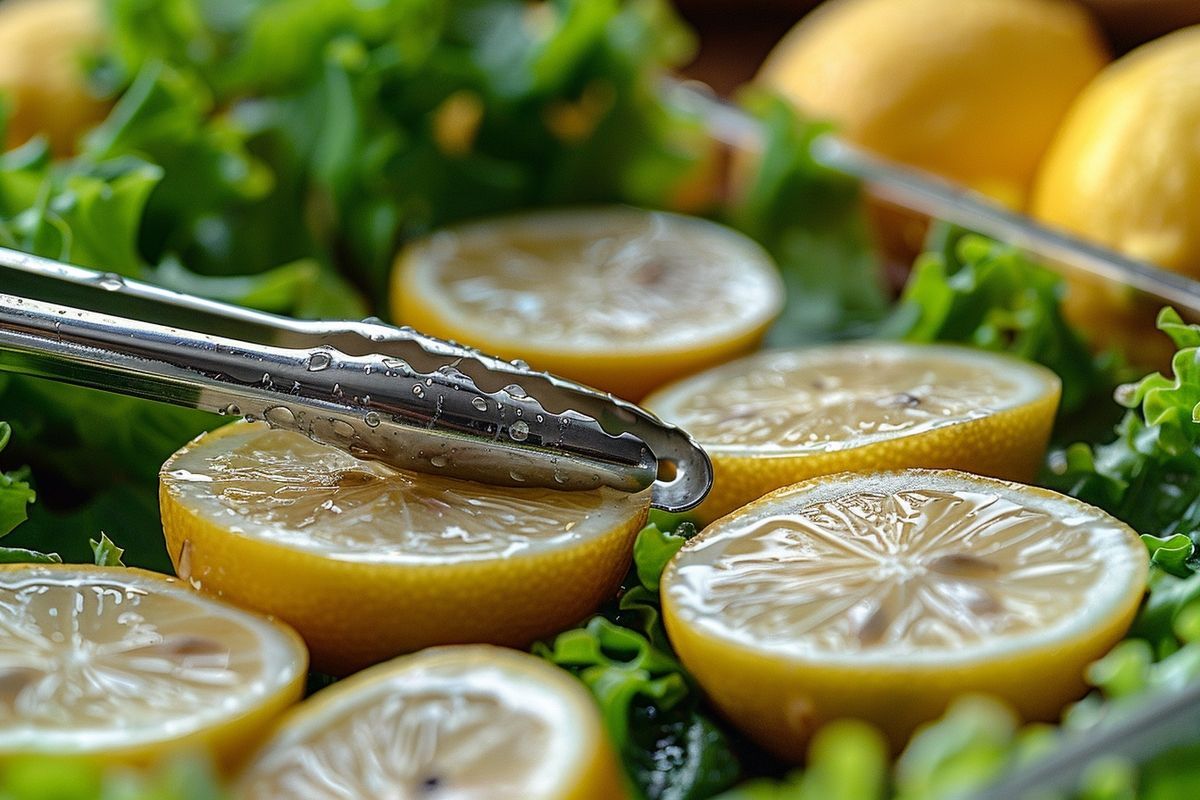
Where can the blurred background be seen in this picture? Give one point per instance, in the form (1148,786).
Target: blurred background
(735,36)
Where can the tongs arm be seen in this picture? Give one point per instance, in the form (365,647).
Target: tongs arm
(380,392)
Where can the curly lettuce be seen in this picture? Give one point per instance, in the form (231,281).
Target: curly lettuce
(973,290)
(1149,476)
(362,124)
(670,745)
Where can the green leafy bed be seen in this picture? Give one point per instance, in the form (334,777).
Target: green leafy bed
(276,153)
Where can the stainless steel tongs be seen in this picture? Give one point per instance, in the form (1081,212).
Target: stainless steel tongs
(380,392)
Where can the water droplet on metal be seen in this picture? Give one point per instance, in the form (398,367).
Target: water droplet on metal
(318,362)
(519,431)
(560,476)
(439,461)
(516,476)
(111,282)
(513,390)
(395,364)
(479,403)
(418,391)
(342,428)
(232,410)
(372,419)
(519,364)
(280,415)
(540,418)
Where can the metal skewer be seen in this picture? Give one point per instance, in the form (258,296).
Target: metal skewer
(938,198)
(380,392)
(1156,725)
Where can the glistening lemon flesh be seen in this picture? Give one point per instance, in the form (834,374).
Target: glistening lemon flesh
(468,722)
(884,596)
(125,666)
(779,417)
(368,562)
(617,298)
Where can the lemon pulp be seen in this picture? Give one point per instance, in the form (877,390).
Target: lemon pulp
(467,722)
(368,562)
(883,596)
(619,298)
(127,665)
(778,417)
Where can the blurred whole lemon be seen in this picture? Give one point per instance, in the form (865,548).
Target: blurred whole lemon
(42,77)
(1124,169)
(970,89)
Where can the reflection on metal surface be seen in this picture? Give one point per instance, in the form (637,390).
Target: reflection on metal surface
(377,391)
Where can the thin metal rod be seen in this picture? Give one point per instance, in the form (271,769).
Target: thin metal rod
(1156,725)
(941,199)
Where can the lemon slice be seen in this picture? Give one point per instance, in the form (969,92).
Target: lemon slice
(367,562)
(618,298)
(779,417)
(883,596)
(127,666)
(467,722)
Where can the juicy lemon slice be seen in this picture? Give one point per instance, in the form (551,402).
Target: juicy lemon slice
(468,722)
(128,666)
(368,562)
(882,597)
(617,298)
(779,417)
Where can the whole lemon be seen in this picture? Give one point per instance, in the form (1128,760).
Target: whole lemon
(970,89)
(43,45)
(1124,169)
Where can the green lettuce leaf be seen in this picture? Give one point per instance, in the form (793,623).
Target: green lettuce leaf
(45,778)
(1150,475)
(671,748)
(15,492)
(357,125)
(106,553)
(972,290)
(811,220)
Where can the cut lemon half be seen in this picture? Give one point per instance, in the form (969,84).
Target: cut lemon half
(882,597)
(368,562)
(466,722)
(121,665)
(779,417)
(617,298)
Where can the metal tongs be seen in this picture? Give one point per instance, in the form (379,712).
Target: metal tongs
(380,392)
